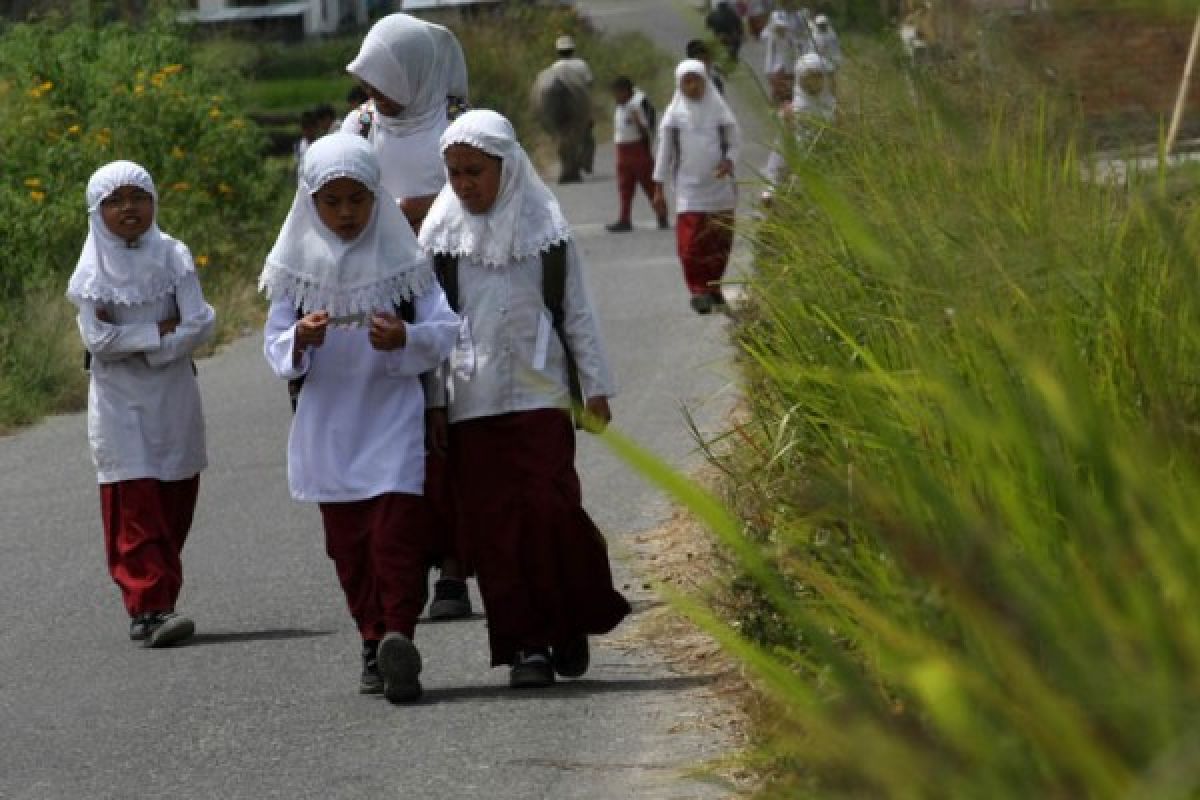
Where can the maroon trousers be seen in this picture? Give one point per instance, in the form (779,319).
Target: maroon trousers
(704,242)
(146,523)
(542,564)
(635,167)
(380,550)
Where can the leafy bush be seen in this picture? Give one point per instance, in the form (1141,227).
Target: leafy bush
(970,486)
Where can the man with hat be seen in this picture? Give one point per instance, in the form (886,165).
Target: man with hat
(563,102)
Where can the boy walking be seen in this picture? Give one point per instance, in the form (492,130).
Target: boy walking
(633,125)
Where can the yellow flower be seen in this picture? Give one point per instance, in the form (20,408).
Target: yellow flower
(33,183)
(172,69)
(158,79)
(46,86)
(201,261)
(103,137)
(75,130)
(139,90)
(178,152)
(224,188)
(237,122)
(181,186)
(214,112)
(37,196)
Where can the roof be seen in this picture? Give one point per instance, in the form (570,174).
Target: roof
(234,14)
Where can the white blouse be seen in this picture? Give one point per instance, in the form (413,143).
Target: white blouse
(144,413)
(508,357)
(693,171)
(359,428)
(411,166)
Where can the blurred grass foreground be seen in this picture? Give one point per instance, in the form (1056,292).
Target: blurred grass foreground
(966,493)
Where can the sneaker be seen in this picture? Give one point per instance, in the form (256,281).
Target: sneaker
(531,670)
(165,628)
(399,665)
(139,627)
(619,227)
(371,681)
(451,600)
(702,303)
(571,658)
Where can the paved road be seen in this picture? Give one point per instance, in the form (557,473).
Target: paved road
(263,703)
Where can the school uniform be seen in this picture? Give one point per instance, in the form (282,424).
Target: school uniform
(356,445)
(145,421)
(542,563)
(635,161)
(804,119)
(694,138)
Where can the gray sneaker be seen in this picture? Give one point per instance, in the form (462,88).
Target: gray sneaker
(165,628)
(451,600)
(400,666)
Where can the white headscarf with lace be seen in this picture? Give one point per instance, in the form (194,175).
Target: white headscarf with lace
(525,219)
(112,270)
(707,112)
(417,65)
(318,270)
(823,104)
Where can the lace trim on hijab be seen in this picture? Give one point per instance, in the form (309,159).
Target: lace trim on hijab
(279,281)
(151,288)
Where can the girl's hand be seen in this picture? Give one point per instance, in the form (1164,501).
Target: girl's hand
(725,168)
(168,326)
(388,332)
(310,331)
(437,431)
(596,414)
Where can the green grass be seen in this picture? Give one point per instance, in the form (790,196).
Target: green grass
(293,95)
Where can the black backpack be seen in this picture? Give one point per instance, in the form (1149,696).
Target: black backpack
(650,112)
(554,288)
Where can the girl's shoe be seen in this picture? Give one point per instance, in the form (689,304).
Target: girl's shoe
(451,600)
(531,670)
(702,303)
(165,628)
(139,627)
(400,666)
(371,681)
(571,658)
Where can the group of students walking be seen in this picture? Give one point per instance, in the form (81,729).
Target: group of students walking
(427,301)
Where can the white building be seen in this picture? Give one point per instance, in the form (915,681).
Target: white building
(311,17)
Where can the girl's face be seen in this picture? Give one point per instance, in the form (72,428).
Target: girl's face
(128,212)
(474,176)
(813,82)
(345,206)
(383,104)
(693,86)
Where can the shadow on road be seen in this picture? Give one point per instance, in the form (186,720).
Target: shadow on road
(233,637)
(568,689)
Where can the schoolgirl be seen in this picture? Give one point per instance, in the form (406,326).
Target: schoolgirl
(697,149)
(499,238)
(141,315)
(810,111)
(357,315)
(416,77)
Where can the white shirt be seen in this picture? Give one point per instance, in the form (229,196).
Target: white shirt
(410,166)
(693,172)
(359,428)
(508,357)
(144,413)
(628,117)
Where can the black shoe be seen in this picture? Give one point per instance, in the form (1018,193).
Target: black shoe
(571,658)
(664,224)
(531,670)
(576,178)
(399,665)
(165,628)
(139,627)
(619,227)
(371,681)
(718,297)
(451,600)
(702,303)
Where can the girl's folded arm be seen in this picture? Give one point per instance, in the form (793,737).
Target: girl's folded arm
(582,328)
(430,339)
(107,341)
(197,321)
(279,336)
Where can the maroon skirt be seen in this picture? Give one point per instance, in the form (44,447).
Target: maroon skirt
(541,562)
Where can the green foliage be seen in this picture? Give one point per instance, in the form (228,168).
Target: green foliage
(970,482)
(74,97)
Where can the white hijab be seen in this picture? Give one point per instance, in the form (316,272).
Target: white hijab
(708,112)
(316,269)
(415,63)
(821,105)
(110,270)
(526,218)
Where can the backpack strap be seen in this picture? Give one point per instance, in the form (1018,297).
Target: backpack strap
(677,146)
(554,291)
(723,133)
(445,266)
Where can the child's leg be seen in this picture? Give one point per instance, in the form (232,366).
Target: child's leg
(140,544)
(348,543)
(714,246)
(399,552)
(626,184)
(690,228)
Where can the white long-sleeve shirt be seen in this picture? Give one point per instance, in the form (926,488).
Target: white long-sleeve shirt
(359,427)
(410,166)
(693,171)
(144,414)
(508,357)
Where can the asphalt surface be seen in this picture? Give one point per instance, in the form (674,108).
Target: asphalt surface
(263,703)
